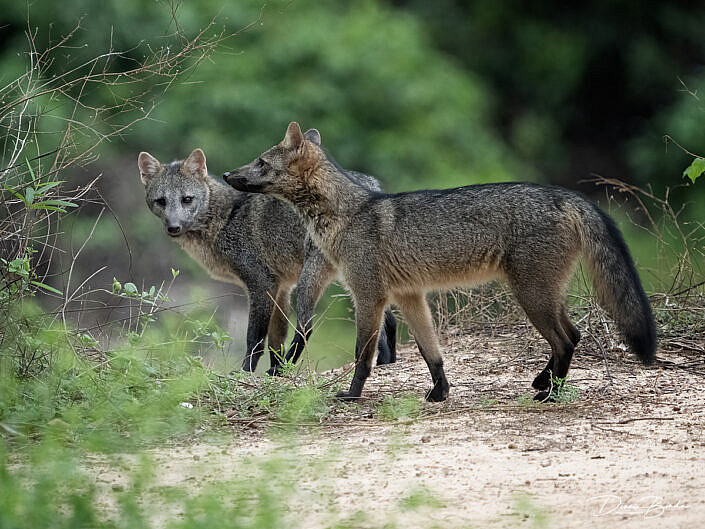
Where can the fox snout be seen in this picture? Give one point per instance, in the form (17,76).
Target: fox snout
(240,182)
(174,230)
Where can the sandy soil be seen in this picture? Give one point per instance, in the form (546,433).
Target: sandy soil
(629,452)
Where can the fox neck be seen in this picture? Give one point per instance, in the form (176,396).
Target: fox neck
(326,205)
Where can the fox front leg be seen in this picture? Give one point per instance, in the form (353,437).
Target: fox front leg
(261,306)
(315,276)
(278,327)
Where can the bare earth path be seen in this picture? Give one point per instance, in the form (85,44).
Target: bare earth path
(629,452)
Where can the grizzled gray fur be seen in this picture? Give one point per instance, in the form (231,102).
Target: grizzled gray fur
(394,248)
(255,241)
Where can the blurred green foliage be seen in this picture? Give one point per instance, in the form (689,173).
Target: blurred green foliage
(50,387)
(597,84)
(365,74)
(422,94)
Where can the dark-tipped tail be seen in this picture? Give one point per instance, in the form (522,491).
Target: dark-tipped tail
(387,347)
(618,286)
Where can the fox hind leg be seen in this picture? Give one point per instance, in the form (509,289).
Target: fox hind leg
(368,318)
(545,311)
(387,347)
(571,331)
(543,379)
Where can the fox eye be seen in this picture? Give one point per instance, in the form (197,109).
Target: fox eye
(160,201)
(186,200)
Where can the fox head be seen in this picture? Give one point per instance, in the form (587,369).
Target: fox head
(286,170)
(176,192)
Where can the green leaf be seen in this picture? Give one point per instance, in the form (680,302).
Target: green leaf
(174,273)
(19,266)
(86,340)
(49,208)
(47,186)
(117,287)
(55,203)
(131,289)
(695,169)
(31,171)
(29,195)
(46,287)
(17,194)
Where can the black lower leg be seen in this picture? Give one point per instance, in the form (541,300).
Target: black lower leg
(358,382)
(439,391)
(557,368)
(252,357)
(298,343)
(275,362)
(543,379)
(256,335)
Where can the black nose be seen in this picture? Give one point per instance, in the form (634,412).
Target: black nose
(173,230)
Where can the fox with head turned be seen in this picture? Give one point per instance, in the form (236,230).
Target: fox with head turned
(255,241)
(394,248)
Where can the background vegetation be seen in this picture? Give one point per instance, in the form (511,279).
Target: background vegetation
(420,94)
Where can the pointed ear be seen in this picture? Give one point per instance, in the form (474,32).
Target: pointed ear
(195,164)
(313,136)
(149,166)
(294,137)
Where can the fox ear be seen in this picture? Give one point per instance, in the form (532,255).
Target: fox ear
(195,164)
(149,166)
(294,138)
(313,136)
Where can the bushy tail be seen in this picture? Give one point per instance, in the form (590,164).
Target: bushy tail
(387,347)
(617,283)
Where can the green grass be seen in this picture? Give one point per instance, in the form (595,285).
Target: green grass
(486,402)
(525,510)
(418,498)
(49,490)
(399,408)
(563,392)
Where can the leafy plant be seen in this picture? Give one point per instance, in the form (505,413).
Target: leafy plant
(562,391)
(21,267)
(695,169)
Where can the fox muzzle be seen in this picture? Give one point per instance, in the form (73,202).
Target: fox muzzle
(241,183)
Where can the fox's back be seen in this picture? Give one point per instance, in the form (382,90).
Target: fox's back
(464,235)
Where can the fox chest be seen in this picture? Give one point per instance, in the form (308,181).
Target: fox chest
(211,260)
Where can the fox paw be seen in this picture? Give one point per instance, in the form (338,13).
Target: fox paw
(439,393)
(346,396)
(544,396)
(542,381)
(274,371)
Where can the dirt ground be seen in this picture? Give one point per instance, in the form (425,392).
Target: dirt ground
(628,452)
